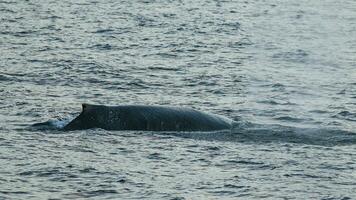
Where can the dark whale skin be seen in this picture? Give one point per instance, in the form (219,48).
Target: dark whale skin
(147,118)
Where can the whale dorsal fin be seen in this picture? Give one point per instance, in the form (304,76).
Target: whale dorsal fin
(86,107)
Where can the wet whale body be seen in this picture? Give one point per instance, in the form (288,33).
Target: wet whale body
(147,118)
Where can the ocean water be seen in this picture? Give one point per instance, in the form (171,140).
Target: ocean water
(285,71)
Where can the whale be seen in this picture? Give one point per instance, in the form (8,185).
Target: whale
(147,118)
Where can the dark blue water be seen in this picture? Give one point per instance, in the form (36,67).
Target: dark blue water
(284,70)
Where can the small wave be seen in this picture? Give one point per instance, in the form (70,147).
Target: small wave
(158,68)
(298,55)
(276,102)
(102,47)
(4,78)
(289,119)
(346,115)
(104,30)
(90,193)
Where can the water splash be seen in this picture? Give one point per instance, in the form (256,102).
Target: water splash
(53,124)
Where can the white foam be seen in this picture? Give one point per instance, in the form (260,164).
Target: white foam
(60,123)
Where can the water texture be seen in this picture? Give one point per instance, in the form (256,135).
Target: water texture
(283,70)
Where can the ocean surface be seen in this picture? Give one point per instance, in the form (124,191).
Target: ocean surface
(285,71)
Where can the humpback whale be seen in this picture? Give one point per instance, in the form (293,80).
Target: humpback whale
(147,118)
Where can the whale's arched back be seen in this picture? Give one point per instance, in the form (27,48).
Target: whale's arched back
(147,118)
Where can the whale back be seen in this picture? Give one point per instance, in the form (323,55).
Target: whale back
(87,119)
(147,118)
